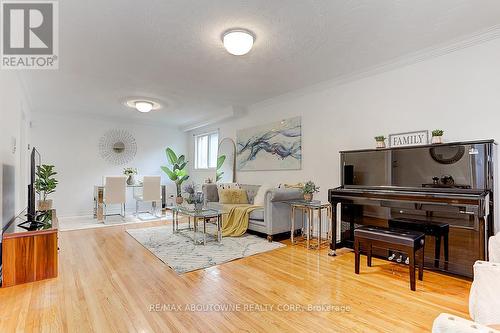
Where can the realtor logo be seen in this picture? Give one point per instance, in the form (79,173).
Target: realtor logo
(29,37)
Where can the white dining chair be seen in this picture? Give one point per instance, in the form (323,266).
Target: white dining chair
(151,192)
(115,189)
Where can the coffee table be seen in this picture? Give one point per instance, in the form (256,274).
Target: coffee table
(207,215)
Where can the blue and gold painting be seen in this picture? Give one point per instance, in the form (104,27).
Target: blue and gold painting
(276,146)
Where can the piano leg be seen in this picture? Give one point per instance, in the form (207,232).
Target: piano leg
(333,242)
(437,250)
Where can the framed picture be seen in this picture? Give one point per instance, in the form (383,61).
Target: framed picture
(275,146)
(409,139)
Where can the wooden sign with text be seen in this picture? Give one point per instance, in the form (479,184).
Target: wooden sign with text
(409,139)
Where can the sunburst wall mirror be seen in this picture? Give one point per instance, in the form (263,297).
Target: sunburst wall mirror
(117,146)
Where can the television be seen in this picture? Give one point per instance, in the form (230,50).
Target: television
(31,222)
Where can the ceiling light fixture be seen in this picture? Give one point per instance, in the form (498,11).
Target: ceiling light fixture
(238,41)
(143,106)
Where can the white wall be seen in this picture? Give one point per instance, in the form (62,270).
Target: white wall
(72,145)
(14,131)
(458,92)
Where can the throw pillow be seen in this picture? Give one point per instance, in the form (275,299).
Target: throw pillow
(233,196)
(261,195)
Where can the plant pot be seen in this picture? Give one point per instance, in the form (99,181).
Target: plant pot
(44,205)
(179,200)
(380,144)
(308,196)
(437,139)
(130,180)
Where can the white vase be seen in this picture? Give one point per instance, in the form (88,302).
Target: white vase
(380,144)
(437,139)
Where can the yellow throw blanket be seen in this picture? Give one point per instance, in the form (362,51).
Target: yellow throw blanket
(235,219)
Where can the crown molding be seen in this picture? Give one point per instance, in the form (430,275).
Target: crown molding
(422,55)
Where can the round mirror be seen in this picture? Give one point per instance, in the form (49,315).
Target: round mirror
(119,147)
(226,157)
(447,154)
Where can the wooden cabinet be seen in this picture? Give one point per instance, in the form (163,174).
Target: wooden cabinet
(29,256)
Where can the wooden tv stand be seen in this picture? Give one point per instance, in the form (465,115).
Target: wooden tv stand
(29,256)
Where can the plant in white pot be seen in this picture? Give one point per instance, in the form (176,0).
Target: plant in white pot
(309,189)
(178,173)
(380,139)
(437,136)
(130,173)
(45,184)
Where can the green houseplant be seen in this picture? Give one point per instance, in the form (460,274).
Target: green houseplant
(380,139)
(177,173)
(45,184)
(309,189)
(437,136)
(219,173)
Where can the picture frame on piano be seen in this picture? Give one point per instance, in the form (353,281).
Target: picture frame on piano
(415,138)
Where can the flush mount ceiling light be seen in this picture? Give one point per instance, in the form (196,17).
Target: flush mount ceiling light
(142,105)
(238,41)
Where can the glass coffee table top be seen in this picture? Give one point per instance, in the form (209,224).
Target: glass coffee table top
(205,212)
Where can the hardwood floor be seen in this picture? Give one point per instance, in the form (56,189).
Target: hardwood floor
(109,283)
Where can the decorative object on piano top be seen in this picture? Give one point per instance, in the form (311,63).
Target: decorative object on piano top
(309,189)
(130,173)
(437,136)
(178,173)
(45,184)
(414,138)
(380,139)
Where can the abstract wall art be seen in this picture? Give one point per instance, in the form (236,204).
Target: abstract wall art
(276,146)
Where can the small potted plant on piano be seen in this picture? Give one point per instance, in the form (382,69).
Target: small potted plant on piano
(309,189)
(437,136)
(45,184)
(380,139)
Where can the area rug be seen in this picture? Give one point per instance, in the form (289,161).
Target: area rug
(180,253)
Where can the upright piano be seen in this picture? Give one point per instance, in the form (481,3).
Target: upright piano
(446,190)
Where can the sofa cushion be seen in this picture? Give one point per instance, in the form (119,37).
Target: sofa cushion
(233,196)
(260,197)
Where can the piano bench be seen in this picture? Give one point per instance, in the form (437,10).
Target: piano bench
(407,241)
(436,229)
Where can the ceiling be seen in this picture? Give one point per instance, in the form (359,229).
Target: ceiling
(171,50)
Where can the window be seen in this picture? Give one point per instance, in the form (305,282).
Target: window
(206,146)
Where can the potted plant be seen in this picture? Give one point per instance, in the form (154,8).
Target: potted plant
(45,184)
(130,172)
(219,173)
(309,189)
(177,173)
(437,136)
(380,141)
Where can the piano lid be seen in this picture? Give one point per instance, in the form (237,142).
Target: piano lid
(438,168)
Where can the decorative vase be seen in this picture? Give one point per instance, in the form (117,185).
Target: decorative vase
(437,139)
(179,200)
(198,206)
(308,196)
(44,205)
(380,144)
(130,180)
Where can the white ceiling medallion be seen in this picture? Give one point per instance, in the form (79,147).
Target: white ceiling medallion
(143,105)
(238,41)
